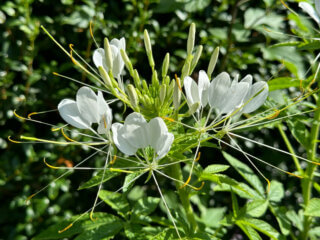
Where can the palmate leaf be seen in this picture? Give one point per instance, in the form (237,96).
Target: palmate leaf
(260,226)
(244,190)
(313,208)
(256,208)
(84,225)
(246,173)
(276,192)
(145,206)
(116,201)
(249,231)
(282,219)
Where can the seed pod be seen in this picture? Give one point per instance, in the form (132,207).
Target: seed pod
(127,62)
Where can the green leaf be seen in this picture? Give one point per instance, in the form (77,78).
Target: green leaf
(216,168)
(256,208)
(299,131)
(295,219)
(309,46)
(282,219)
(130,180)
(276,192)
(246,173)
(313,208)
(249,231)
(261,226)
(283,83)
(243,190)
(103,232)
(116,201)
(84,224)
(145,206)
(235,205)
(96,180)
(211,217)
(195,6)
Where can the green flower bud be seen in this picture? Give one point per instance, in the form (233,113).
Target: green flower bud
(162,94)
(155,80)
(185,71)
(127,62)
(145,86)
(165,65)
(213,61)
(105,77)
(191,38)
(133,97)
(108,54)
(136,79)
(196,58)
(147,45)
(194,108)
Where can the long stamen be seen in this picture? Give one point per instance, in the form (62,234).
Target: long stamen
(65,51)
(62,175)
(100,185)
(91,27)
(36,113)
(165,203)
(78,218)
(273,148)
(195,159)
(179,181)
(82,83)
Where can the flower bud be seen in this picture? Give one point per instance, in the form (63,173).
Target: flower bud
(147,45)
(136,79)
(127,61)
(196,58)
(194,108)
(165,65)
(133,97)
(162,94)
(105,77)
(176,96)
(108,54)
(185,70)
(155,80)
(213,61)
(191,38)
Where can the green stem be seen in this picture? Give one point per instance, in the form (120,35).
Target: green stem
(175,172)
(307,182)
(290,148)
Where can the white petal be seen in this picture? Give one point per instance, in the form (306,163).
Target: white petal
(258,100)
(203,85)
(166,142)
(99,58)
(192,92)
(235,97)
(122,144)
(87,105)
(103,108)
(218,90)
(247,79)
(310,11)
(69,112)
(156,129)
(317,4)
(135,130)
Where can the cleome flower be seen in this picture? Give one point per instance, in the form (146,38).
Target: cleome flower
(99,57)
(88,108)
(197,93)
(136,133)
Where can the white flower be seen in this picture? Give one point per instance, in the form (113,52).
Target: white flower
(224,96)
(311,11)
(197,93)
(136,133)
(258,92)
(87,109)
(99,58)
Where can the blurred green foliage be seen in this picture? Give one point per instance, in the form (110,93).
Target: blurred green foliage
(248,35)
